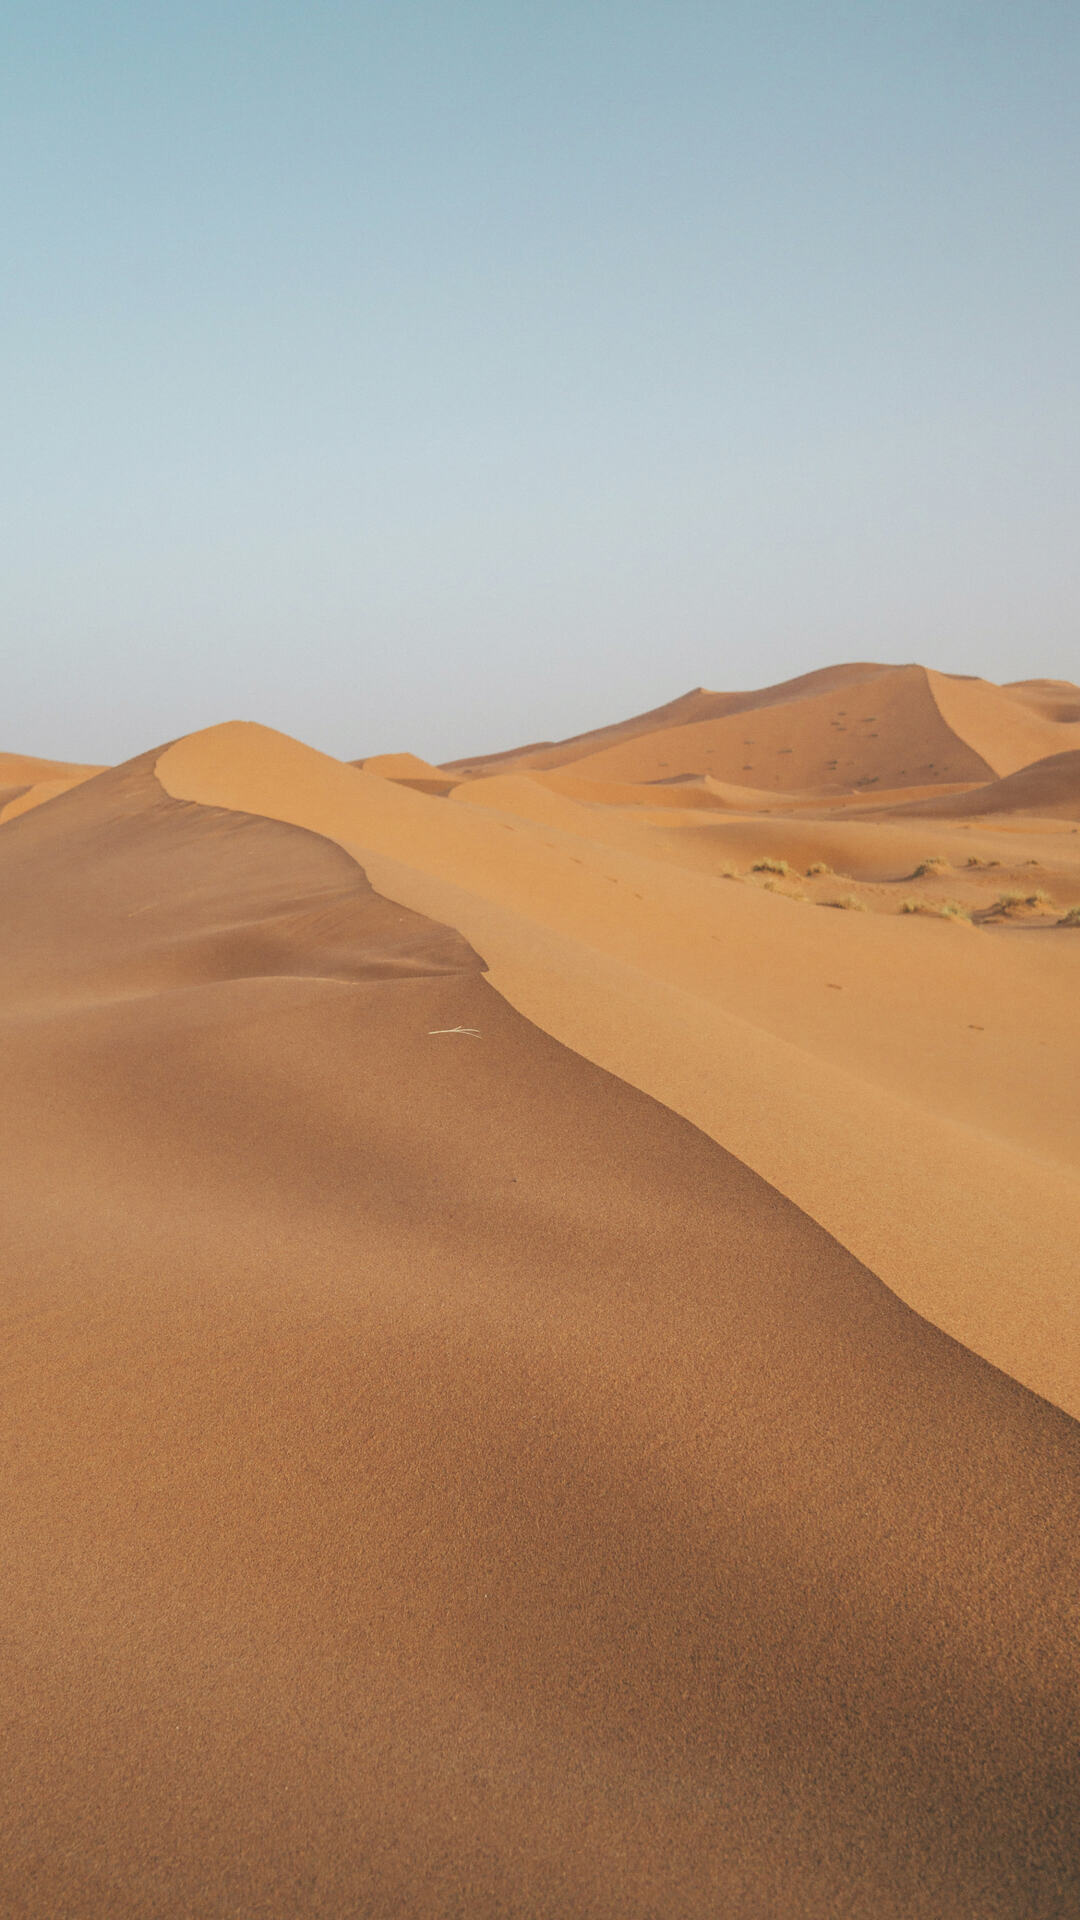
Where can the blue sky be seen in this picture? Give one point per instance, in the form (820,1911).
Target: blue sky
(446,375)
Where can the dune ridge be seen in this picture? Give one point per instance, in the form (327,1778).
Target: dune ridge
(580,935)
(540,1364)
(926,728)
(447,1481)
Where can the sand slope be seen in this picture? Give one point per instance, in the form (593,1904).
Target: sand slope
(839,730)
(26,782)
(443,1482)
(1049,789)
(689,709)
(893,1076)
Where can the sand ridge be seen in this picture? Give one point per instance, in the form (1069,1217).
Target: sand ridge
(462,1456)
(447,1482)
(580,934)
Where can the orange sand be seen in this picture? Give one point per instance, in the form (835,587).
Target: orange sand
(443,1481)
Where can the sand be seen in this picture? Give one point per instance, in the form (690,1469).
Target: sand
(444,1477)
(26,782)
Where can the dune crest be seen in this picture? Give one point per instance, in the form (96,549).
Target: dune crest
(443,1479)
(500,1269)
(716,999)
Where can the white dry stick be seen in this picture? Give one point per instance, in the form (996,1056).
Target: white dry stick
(473,1030)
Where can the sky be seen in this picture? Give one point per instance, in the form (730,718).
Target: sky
(443,376)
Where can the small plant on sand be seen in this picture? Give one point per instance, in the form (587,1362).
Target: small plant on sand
(728,872)
(847,903)
(1071,918)
(1015,902)
(770,866)
(973,860)
(818,866)
(937,909)
(931,867)
(789,893)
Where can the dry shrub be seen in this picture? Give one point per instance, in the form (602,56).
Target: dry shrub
(847,903)
(1015,902)
(937,909)
(770,866)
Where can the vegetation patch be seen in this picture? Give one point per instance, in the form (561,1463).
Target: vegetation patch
(770,866)
(1070,919)
(1008,904)
(937,909)
(931,867)
(819,866)
(847,903)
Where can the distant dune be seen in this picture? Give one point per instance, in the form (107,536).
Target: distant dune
(542,1332)
(1049,789)
(25,781)
(825,731)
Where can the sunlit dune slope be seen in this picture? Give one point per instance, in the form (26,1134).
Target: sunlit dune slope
(24,769)
(887,732)
(1009,726)
(1049,789)
(26,782)
(409,769)
(840,730)
(1053,699)
(688,710)
(439,1479)
(893,1076)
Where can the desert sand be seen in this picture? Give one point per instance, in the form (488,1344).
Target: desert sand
(543,1355)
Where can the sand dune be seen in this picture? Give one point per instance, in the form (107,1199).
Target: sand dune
(705,993)
(447,1482)
(26,782)
(1008,732)
(824,731)
(25,769)
(689,709)
(409,770)
(1050,789)
(472,1450)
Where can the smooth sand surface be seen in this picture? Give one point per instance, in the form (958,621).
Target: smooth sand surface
(440,1480)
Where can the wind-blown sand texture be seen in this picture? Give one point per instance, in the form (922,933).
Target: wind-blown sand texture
(444,1476)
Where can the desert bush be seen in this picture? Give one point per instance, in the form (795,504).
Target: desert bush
(1071,918)
(934,864)
(818,866)
(937,909)
(847,903)
(1009,902)
(770,866)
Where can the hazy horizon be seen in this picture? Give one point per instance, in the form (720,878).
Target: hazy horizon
(442,378)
